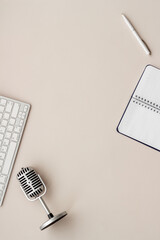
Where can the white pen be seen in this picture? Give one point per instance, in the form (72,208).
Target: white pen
(139,39)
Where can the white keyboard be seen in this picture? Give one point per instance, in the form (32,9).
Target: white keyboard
(13,116)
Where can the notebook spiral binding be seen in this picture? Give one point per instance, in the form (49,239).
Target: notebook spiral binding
(143,102)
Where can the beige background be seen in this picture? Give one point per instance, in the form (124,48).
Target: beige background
(77,64)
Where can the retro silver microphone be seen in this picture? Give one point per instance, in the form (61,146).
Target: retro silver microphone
(34,188)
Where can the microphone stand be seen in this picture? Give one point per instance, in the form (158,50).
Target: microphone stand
(52,219)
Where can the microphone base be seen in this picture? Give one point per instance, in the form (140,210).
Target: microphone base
(53,220)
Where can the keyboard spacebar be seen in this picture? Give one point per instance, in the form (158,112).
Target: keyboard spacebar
(9,157)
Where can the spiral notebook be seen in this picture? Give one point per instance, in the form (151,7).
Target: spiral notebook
(141,118)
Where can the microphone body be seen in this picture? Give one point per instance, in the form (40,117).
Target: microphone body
(34,188)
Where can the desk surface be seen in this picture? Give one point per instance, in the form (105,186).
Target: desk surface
(77,64)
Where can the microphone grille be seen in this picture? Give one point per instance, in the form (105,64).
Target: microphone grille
(31,183)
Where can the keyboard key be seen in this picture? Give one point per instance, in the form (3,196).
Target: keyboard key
(1,136)
(5,142)
(8,135)
(15,137)
(9,157)
(12,121)
(21,123)
(2,179)
(6,116)
(2,155)
(3,149)
(10,128)
(23,115)
(3,102)
(17,129)
(2,129)
(25,108)
(15,110)
(9,106)
(20,114)
(4,123)
(1,162)
(1,186)
(1,109)
(1,115)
